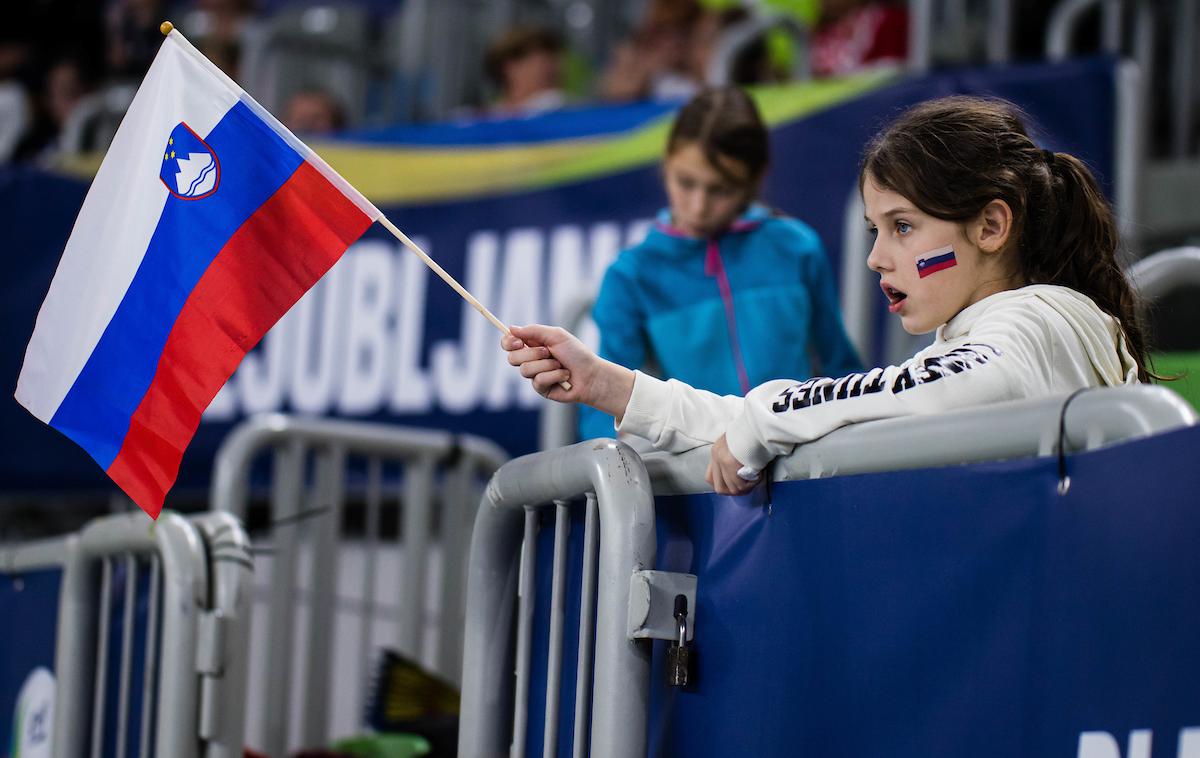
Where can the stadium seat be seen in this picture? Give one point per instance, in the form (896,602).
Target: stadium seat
(320,46)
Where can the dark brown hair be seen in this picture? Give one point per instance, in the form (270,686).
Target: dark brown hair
(725,123)
(515,44)
(952,156)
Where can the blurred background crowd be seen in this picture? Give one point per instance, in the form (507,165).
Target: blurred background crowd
(69,68)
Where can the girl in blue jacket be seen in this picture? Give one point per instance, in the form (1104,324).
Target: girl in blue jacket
(723,294)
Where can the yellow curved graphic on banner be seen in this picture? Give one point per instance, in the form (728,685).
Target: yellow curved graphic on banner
(398,175)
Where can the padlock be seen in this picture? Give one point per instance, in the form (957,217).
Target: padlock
(677,665)
(678,654)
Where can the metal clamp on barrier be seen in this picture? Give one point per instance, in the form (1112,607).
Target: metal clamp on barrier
(652,604)
(214,637)
(223,635)
(211,644)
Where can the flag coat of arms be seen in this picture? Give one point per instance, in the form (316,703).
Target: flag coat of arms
(206,222)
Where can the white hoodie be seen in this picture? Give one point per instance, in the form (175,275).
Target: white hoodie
(1031,342)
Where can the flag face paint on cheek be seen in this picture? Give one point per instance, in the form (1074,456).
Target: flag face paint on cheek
(935,261)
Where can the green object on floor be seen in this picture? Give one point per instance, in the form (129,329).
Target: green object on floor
(1187,367)
(394,745)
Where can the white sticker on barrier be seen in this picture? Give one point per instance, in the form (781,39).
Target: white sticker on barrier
(34,717)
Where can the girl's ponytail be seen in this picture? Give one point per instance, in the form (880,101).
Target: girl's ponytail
(1077,224)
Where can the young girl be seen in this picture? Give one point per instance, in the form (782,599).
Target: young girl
(722,294)
(1009,251)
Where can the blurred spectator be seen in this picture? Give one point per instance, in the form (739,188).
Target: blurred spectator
(314,112)
(14,117)
(221,19)
(133,37)
(15,112)
(66,88)
(856,34)
(526,66)
(753,64)
(34,36)
(659,61)
(218,28)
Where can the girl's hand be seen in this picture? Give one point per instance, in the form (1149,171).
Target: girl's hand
(723,469)
(549,356)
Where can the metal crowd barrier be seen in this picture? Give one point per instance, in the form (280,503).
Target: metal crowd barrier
(192,688)
(620,529)
(441,476)
(1167,270)
(620,506)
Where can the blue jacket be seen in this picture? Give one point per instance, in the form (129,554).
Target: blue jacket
(723,314)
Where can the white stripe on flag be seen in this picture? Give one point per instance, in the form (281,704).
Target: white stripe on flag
(114,227)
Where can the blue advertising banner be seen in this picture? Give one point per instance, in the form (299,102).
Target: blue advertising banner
(29,605)
(527,215)
(959,611)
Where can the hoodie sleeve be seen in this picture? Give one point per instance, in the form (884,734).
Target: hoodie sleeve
(1008,358)
(675,416)
(1009,355)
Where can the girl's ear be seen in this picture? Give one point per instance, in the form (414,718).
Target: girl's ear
(993,226)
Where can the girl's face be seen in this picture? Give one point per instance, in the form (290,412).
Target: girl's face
(703,202)
(960,262)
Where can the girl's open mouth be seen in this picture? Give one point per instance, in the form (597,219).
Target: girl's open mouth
(895,297)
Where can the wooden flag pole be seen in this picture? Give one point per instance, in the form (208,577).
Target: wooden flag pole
(431,263)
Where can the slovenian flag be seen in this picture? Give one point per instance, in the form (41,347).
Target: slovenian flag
(206,222)
(935,261)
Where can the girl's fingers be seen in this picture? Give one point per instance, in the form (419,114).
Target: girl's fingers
(539,334)
(726,489)
(548,380)
(509,342)
(526,355)
(713,477)
(727,482)
(533,368)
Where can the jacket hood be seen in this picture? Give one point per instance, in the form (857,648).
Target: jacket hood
(1101,334)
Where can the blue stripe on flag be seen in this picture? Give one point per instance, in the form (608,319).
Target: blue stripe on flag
(926,262)
(255,162)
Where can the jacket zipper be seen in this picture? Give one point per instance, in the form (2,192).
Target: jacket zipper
(714,266)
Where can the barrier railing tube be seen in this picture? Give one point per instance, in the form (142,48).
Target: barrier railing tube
(1014,430)
(622,666)
(184,589)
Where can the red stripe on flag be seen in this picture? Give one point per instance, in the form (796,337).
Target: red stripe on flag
(264,268)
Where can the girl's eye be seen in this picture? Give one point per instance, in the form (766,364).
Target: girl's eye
(873,231)
(902,227)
